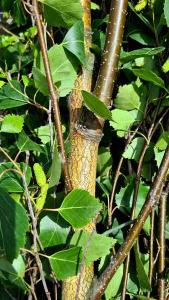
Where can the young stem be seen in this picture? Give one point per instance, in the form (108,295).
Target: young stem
(151,200)
(53,94)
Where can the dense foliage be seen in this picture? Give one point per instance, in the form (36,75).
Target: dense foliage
(37,217)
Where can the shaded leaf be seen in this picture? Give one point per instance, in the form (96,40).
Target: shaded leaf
(134,149)
(55,171)
(114,284)
(24,143)
(104,161)
(121,121)
(40,81)
(11,95)
(94,245)
(65,263)
(62,13)
(150,76)
(53,230)
(74,41)
(166,11)
(79,208)
(143,52)
(14,224)
(127,97)
(96,105)
(11,275)
(141,274)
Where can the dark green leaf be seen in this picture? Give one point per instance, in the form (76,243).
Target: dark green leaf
(114,284)
(143,52)
(96,105)
(11,275)
(55,171)
(53,230)
(150,76)
(79,208)
(166,11)
(104,162)
(24,143)
(74,41)
(65,263)
(62,13)
(11,181)
(141,274)
(14,224)
(11,95)
(40,81)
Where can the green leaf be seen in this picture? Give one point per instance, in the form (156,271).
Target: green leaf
(141,274)
(163,141)
(55,171)
(104,161)
(12,124)
(53,230)
(150,76)
(79,208)
(11,275)
(62,13)
(128,97)
(158,156)
(94,245)
(19,266)
(11,181)
(143,52)
(165,66)
(43,132)
(114,284)
(40,81)
(134,149)
(96,105)
(166,11)
(62,70)
(121,121)
(14,224)
(24,143)
(65,263)
(125,197)
(11,95)
(74,41)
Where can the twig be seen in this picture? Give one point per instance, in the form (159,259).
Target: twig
(151,200)
(35,234)
(151,255)
(162,244)
(53,95)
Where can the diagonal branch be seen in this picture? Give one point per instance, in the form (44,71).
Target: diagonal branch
(108,68)
(53,94)
(151,200)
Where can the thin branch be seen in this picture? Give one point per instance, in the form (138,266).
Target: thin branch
(162,244)
(151,200)
(35,234)
(151,255)
(53,95)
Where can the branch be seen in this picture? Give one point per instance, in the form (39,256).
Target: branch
(161,258)
(151,200)
(108,68)
(53,94)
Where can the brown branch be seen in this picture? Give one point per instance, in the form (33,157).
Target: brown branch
(151,200)
(161,258)
(108,68)
(89,57)
(53,94)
